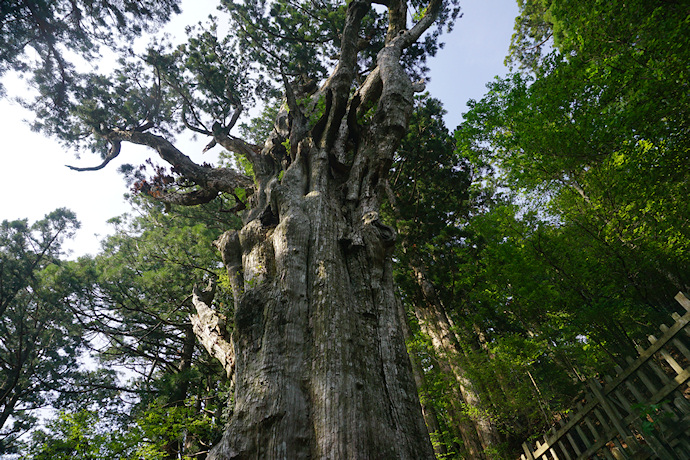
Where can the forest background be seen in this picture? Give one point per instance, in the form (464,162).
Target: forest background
(538,244)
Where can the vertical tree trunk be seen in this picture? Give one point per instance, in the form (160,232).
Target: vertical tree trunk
(434,321)
(428,410)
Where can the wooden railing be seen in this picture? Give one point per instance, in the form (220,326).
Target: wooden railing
(643,412)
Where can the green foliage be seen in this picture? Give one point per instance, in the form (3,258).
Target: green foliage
(56,29)
(317,111)
(259,128)
(147,271)
(552,227)
(286,144)
(80,436)
(599,136)
(159,424)
(204,83)
(40,340)
(569,268)
(652,416)
(85,435)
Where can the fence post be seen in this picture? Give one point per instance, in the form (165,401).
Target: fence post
(683,300)
(608,409)
(529,453)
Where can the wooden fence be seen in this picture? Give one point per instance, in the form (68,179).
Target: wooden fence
(643,412)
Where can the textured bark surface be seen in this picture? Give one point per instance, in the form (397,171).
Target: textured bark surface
(210,329)
(321,370)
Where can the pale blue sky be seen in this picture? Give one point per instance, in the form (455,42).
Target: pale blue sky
(35,180)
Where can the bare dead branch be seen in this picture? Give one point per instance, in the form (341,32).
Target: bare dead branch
(115,146)
(210,329)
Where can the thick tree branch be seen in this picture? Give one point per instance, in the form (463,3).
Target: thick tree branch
(369,171)
(239,146)
(235,116)
(432,11)
(211,181)
(190,126)
(370,91)
(343,75)
(210,329)
(397,18)
(218,180)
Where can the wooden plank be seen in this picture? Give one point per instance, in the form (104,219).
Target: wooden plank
(667,389)
(607,453)
(542,447)
(682,348)
(602,419)
(618,450)
(583,437)
(572,442)
(647,383)
(538,448)
(650,438)
(529,455)
(595,433)
(553,452)
(631,440)
(663,376)
(643,454)
(635,365)
(598,445)
(564,450)
(594,386)
(620,401)
(672,362)
(683,300)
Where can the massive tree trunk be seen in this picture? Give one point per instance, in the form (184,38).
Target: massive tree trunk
(316,349)
(320,366)
(317,354)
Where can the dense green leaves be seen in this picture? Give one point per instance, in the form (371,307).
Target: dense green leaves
(139,307)
(578,257)
(585,257)
(42,37)
(82,436)
(40,341)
